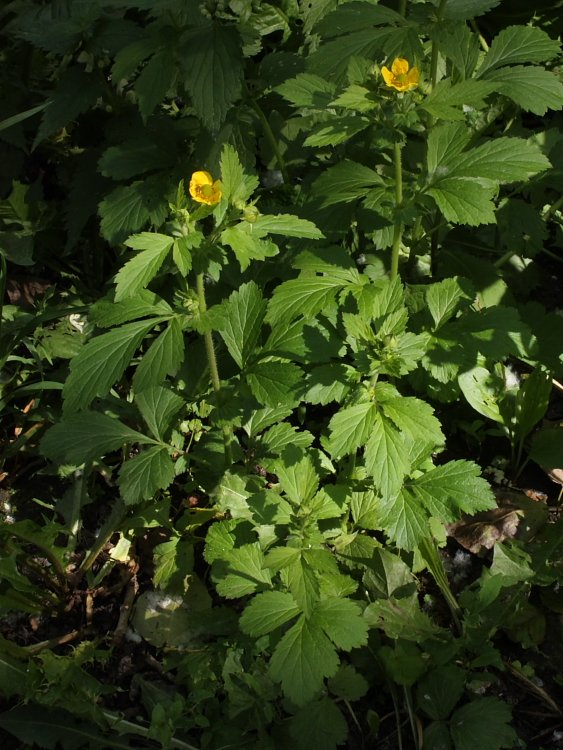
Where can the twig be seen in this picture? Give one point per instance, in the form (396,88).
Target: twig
(125,611)
(35,648)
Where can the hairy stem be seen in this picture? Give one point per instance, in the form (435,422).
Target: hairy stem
(398,230)
(212,361)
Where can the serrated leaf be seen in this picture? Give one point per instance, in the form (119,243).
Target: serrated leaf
(142,476)
(237,187)
(337,130)
(154,81)
(303,583)
(158,406)
(181,255)
(532,400)
(241,572)
(297,475)
(401,618)
(501,160)
(101,362)
(519,44)
(319,724)
(448,490)
(342,622)
(404,520)
(304,296)
(350,428)
(445,99)
(464,201)
(356,16)
(86,436)
(173,561)
(461,10)
(357,98)
(140,270)
(329,383)
(275,383)
(443,299)
(128,208)
(345,182)
(301,661)
(213,70)
(482,392)
(483,723)
(440,690)
(245,310)
(164,357)
(415,418)
(282,435)
(106,314)
(445,143)
(386,457)
(348,683)
(287,225)
(133,157)
(266,612)
(532,88)
(246,245)
(307,90)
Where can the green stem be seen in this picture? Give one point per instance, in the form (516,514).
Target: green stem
(429,552)
(271,138)
(482,40)
(115,518)
(212,361)
(553,208)
(402,10)
(398,230)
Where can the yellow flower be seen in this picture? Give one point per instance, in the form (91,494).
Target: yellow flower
(400,77)
(204,190)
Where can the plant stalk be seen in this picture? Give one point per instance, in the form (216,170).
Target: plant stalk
(402,8)
(212,361)
(398,230)
(271,138)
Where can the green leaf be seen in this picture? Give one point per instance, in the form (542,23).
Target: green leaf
(275,383)
(282,435)
(173,561)
(415,418)
(356,16)
(142,476)
(86,436)
(464,201)
(106,314)
(404,520)
(337,130)
(343,622)
(266,612)
(445,100)
(386,457)
(401,618)
(76,92)
(329,383)
(154,82)
(348,684)
(532,88)
(181,255)
(365,509)
(246,245)
(483,723)
(164,357)
(445,143)
(287,225)
(345,182)
(158,406)
(14,676)
(305,296)
(297,475)
(319,724)
(245,310)
(350,428)
(440,690)
(532,400)
(519,44)
(303,583)
(307,90)
(241,572)
(452,488)
(50,728)
(236,186)
(213,71)
(101,362)
(482,392)
(461,10)
(301,661)
(443,299)
(140,270)
(128,208)
(133,157)
(547,448)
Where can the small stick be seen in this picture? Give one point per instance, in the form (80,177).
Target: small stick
(129,598)
(35,648)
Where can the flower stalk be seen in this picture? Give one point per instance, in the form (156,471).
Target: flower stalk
(212,362)
(398,229)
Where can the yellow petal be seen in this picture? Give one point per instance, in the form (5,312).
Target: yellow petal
(201,178)
(413,77)
(388,77)
(400,66)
